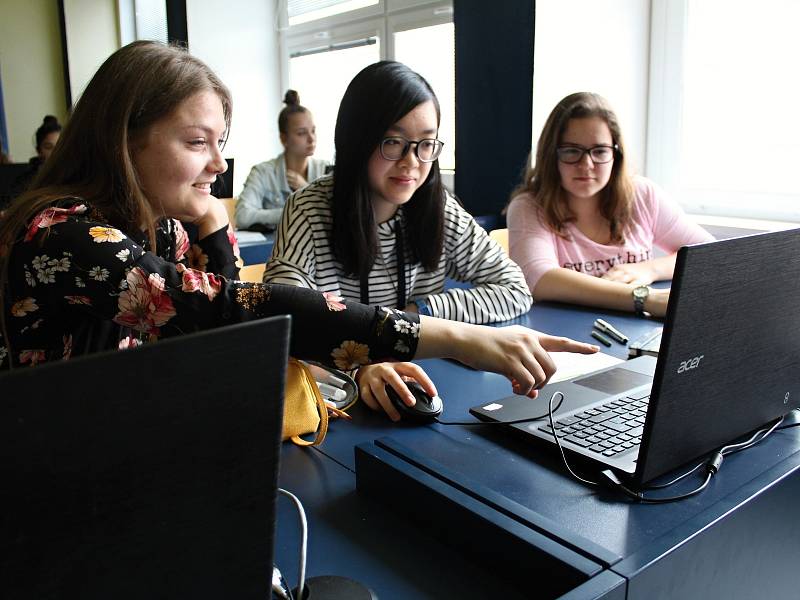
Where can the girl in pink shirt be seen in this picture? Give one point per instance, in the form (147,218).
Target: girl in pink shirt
(581,228)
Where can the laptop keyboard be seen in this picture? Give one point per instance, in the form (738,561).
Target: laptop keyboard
(608,429)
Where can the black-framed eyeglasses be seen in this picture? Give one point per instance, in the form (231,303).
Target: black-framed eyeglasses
(396,147)
(574,154)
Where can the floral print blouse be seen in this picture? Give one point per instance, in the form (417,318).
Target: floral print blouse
(77,285)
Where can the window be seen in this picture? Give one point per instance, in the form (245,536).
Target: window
(303,11)
(142,20)
(430,51)
(723,138)
(324,54)
(321,79)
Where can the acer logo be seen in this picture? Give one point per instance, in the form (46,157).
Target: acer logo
(692,363)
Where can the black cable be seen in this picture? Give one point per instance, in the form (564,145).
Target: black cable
(661,486)
(712,465)
(752,441)
(558,441)
(617,484)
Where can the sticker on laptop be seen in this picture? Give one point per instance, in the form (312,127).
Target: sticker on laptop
(493,406)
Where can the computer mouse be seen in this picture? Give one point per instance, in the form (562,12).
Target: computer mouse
(425,410)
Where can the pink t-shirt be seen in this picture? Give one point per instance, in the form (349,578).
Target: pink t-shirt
(656,221)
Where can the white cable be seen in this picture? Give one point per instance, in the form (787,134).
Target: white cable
(301,576)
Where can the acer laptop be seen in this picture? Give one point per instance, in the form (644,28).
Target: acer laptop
(145,473)
(729,363)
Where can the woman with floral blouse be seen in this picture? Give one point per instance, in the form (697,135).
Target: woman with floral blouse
(95,258)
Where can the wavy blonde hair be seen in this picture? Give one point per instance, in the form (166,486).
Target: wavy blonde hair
(136,86)
(543,182)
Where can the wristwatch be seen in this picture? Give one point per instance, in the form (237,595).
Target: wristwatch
(640,294)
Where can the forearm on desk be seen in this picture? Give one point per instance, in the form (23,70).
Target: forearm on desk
(564,285)
(663,267)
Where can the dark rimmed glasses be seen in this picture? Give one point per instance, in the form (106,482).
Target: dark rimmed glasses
(395,148)
(600,155)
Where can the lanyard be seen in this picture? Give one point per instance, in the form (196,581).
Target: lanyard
(401,272)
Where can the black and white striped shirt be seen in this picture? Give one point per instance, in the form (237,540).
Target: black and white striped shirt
(303,255)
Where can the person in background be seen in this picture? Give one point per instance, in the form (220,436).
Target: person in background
(582,229)
(269,184)
(46,138)
(94,258)
(383,229)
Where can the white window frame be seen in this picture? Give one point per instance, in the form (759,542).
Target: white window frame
(331,36)
(425,14)
(381,20)
(668,30)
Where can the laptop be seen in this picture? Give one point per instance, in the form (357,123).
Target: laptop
(150,472)
(729,363)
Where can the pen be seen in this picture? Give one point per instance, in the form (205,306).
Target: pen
(609,329)
(600,338)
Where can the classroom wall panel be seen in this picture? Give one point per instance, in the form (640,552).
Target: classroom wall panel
(92,33)
(31,70)
(241,44)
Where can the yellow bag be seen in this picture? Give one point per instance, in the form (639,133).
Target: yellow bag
(304,410)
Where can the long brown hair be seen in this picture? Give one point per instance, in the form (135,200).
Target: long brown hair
(135,87)
(543,181)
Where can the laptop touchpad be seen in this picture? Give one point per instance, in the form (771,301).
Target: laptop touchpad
(614,381)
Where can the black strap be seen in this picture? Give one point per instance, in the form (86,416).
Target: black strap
(364,286)
(401,271)
(401,267)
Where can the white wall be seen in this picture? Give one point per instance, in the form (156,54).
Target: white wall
(32,72)
(239,42)
(92,29)
(597,46)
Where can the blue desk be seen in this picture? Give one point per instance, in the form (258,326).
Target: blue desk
(352,536)
(255,247)
(579,542)
(462,388)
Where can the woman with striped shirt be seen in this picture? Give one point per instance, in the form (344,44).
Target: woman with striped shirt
(383,230)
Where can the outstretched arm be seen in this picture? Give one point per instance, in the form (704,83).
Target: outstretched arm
(516,352)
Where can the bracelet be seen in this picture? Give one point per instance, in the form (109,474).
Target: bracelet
(423,307)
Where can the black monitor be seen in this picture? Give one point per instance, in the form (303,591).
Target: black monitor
(138,474)
(223,186)
(10,181)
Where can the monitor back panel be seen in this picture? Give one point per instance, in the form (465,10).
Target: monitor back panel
(730,353)
(144,473)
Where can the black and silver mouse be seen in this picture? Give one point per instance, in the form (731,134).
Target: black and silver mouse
(426,408)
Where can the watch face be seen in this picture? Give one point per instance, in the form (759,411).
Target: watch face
(641,292)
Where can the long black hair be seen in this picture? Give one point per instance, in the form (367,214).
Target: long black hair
(378,97)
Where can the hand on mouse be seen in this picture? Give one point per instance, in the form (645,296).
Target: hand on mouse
(372,381)
(519,353)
